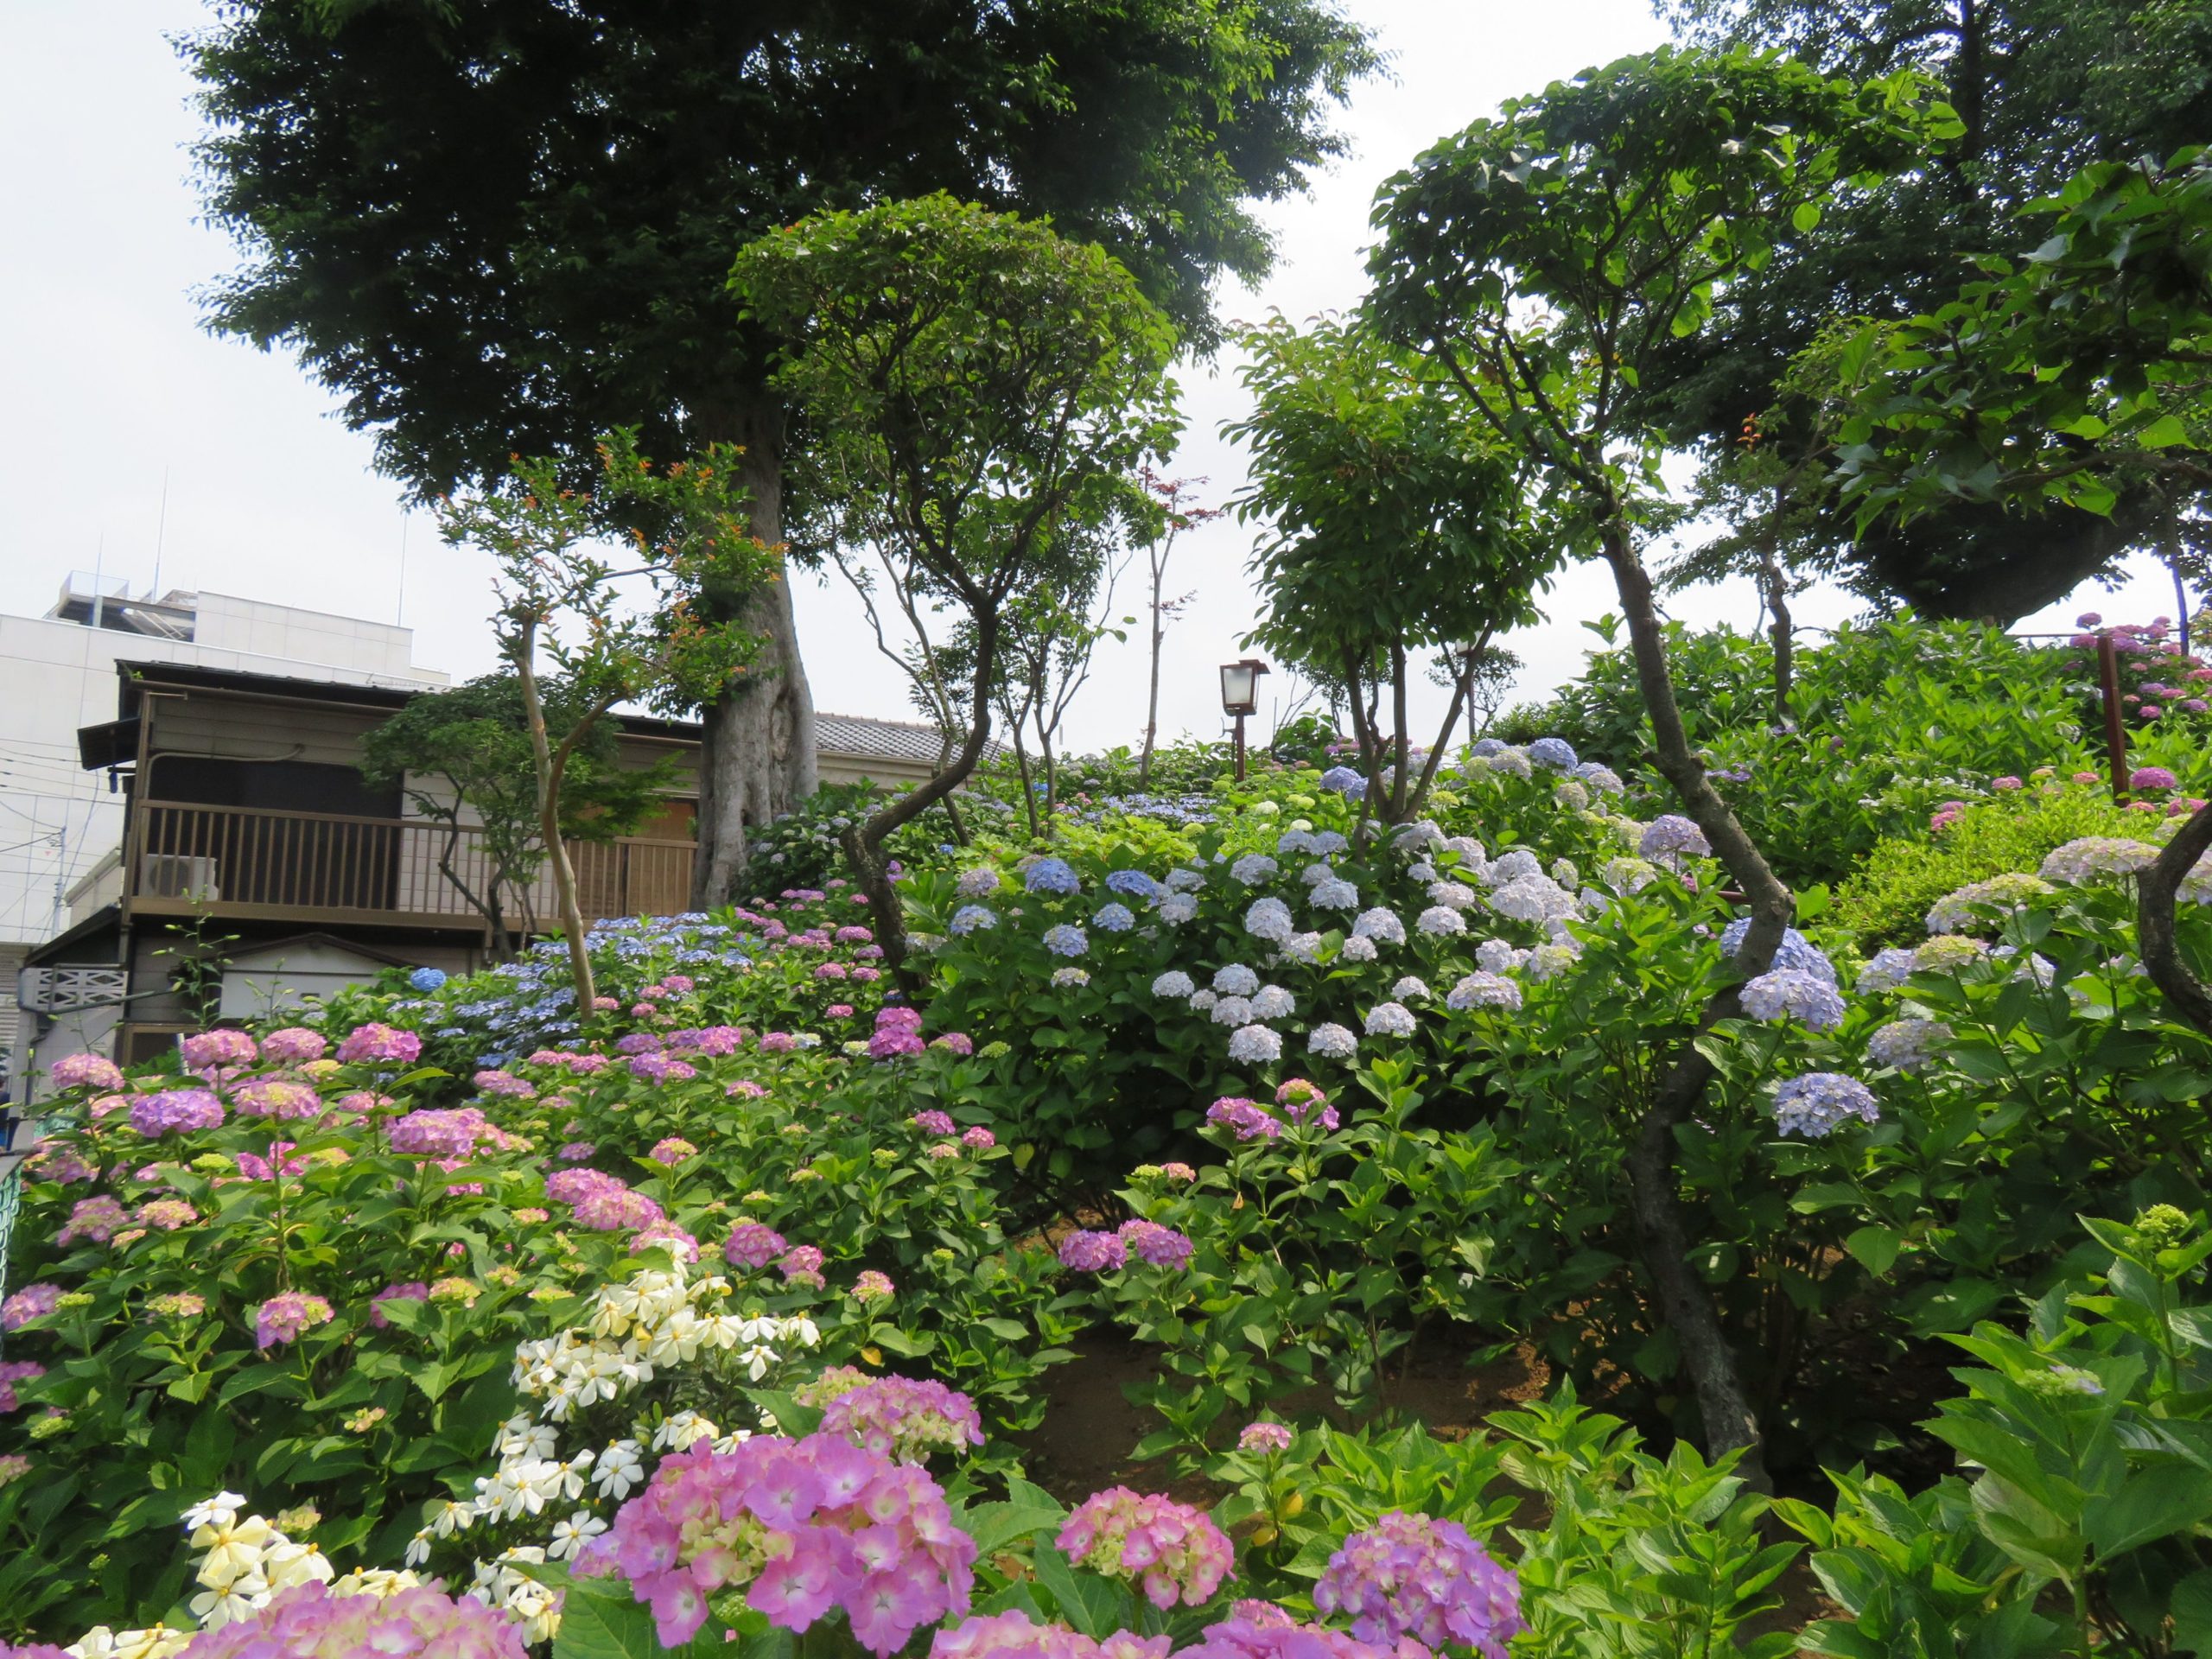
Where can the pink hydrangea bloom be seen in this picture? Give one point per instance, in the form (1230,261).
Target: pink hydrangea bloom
(753,1245)
(99,1219)
(1011,1634)
(293,1045)
(979,1138)
(208,1050)
(276,1097)
(456,1133)
(1259,1630)
(600,1202)
(308,1622)
(1089,1252)
(13,1371)
(413,1291)
(379,1042)
(85,1071)
(1163,1247)
(31,1302)
(904,1419)
(1264,1437)
(672,1151)
(496,1082)
(1174,1551)
(286,1317)
(802,1527)
(933,1122)
(746,1089)
(167,1215)
(1248,1119)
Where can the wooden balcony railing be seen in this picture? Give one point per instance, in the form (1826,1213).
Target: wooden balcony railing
(253,862)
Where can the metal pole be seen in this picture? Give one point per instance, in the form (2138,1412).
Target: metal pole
(2116,730)
(1240,748)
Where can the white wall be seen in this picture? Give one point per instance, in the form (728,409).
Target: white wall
(55,820)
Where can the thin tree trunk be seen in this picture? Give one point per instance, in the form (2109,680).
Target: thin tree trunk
(756,741)
(863,840)
(2154,920)
(548,824)
(1782,632)
(1021,765)
(1662,1237)
(1463,688)
(1152,696)
(1400,763)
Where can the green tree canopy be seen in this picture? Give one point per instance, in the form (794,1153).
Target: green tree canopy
(1397,522)
(500,227)
(2041,87)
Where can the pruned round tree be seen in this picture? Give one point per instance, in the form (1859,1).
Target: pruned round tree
(982,391)
(1398,523)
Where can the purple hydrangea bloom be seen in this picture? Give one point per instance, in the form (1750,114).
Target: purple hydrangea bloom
(1787,994)
(1089,1252)
(1411,1575)
(1814,1105)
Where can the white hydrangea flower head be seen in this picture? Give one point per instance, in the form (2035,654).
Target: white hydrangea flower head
(1236,980)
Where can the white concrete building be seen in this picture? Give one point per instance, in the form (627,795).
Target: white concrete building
(57,673)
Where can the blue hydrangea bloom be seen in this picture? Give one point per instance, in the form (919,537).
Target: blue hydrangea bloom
(1553,752)
(1488,746)
(1115,918)
(1051,875)
(1345,782)
(1797,953)
(969,918)
(427,979)
(1066,940)
(1135,883)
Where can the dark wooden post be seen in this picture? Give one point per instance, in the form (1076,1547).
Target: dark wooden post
(2115,727)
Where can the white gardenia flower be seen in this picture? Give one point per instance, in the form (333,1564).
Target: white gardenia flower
(154,1642)
(621,1469)
(572,1534)
(219,1510)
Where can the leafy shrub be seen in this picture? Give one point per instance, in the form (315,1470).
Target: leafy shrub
(1887,900)
(1890,720)
(2086,1524)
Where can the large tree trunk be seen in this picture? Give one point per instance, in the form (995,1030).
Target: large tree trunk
(756,748)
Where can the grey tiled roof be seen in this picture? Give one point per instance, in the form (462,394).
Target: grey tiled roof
(888,740)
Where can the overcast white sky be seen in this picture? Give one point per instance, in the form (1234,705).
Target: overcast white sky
(109,391)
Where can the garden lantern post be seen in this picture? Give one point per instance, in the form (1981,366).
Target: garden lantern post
(1240,695)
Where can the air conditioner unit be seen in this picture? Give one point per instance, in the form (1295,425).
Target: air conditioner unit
(178,875)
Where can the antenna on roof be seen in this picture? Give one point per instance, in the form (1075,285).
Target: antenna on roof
(400,604)
(100,559)
(161,530)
